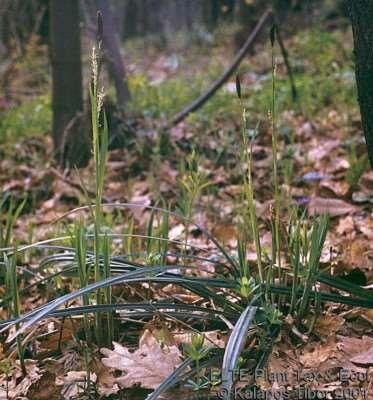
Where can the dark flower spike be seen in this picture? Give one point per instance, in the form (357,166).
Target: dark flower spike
(100,27)
(238,86)
(273,34)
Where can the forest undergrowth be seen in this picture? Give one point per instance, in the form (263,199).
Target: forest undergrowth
(198,260)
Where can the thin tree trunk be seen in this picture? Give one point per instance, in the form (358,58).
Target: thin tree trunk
(361,13)
(67,94)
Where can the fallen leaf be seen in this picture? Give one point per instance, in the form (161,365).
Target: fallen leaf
(333,207)
(283,360)
(106,383)
(365,358)
(345,225)
(365,225)
(176,231)
(367,179)
(142,202)
(322,149)
(355,253)
(45,388)
(338,164)
(338,188)
(18,386)
(315,355)
(328,325)
(116,190)
(68,192)
(224,233)
(74,383)
(362,197)
(351,347)
(148,366)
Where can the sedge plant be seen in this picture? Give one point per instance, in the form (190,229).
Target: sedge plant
(276,246)
(79,242)
(100,149)
(192,183)
(247,137)
(234,298)
(197,351)
(8,219)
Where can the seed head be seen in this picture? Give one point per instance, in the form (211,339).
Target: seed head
(100,27)
(238,86)
(272,34)
(100,100)
(94,66)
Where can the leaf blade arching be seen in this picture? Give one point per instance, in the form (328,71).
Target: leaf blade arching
(234,347)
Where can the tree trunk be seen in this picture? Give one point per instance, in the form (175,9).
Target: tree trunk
(67,93)
(361,13)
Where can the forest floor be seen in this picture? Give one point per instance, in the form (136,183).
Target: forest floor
(322,168)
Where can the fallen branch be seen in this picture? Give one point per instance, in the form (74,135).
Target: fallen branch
(227,73)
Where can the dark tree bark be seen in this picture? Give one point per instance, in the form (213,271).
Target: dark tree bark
(361,13)
(67,93)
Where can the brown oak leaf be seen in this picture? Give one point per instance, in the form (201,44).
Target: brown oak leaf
(148,366)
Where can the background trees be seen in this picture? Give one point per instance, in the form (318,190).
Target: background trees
(67,91)
(19,20)
(361,12)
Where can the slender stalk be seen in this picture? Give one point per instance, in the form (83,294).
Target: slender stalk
(100,143)
(246,156)
(128,240)
(12,285)
(81,260)
(108,291)
(163,245)
(192,183)
(295,258)
(96,157)
(318,236)
(273,115)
